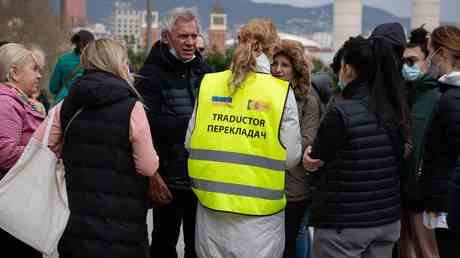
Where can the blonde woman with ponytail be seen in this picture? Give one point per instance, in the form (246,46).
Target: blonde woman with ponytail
(256,42)
(243,134)
(108,155)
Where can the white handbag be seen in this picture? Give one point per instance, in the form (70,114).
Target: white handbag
(33,196)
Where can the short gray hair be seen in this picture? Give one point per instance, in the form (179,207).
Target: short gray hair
(13,54)
(180,13)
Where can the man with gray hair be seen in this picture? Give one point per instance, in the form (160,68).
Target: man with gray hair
(171,76)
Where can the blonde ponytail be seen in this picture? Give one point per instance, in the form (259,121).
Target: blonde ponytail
(258,36)
(244,62)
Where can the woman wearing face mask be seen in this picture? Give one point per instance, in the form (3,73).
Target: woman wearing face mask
(359,147)
(289,64)
(423,94)
(441,169)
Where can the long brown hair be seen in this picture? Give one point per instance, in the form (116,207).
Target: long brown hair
(448,37)
(300,63)
(258,36)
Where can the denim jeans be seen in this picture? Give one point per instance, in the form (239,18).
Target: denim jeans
(303,238)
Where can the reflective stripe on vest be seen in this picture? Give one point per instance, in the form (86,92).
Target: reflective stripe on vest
(245,190)
(236,160)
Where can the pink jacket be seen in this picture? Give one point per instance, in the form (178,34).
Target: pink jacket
(18,121)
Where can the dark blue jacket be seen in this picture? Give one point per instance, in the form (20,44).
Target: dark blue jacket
(169,89)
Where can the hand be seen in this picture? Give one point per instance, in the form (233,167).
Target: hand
(158,191)
(408,149)
(311,164)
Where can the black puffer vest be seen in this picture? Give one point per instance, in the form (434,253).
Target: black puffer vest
(361,187)
(169,87)
(106,196)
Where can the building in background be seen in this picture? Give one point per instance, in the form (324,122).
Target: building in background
(155,29)
(324,39)
(347,20)
(308,44)
(426,12)
(126,24)
(99,30)
(129,25)
(217,33)
(73,13)
(347,17)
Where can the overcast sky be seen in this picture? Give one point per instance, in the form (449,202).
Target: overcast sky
(449,8)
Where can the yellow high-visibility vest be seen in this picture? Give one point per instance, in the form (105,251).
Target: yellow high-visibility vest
(237,162)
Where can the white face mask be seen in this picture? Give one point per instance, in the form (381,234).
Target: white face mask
(173,52)
(263,64)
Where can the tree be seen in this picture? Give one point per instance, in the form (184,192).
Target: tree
(219,62)
(33,22)
(318,65)
(136,59)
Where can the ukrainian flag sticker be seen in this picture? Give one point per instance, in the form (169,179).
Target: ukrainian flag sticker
(220,100)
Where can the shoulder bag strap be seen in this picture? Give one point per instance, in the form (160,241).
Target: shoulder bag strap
(49,124)
(68,125)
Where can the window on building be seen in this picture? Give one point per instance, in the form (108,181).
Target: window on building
(218,20)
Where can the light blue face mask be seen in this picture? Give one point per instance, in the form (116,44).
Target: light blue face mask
(411,73)
(341,85)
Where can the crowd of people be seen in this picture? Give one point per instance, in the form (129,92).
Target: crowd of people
(264,159)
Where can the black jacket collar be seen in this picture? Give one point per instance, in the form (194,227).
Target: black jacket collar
(356,89)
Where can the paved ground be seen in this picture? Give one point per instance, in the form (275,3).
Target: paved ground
(180,243)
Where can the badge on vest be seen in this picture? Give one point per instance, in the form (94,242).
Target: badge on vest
(220,100)
(258,105)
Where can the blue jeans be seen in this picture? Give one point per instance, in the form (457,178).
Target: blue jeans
(303,237)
